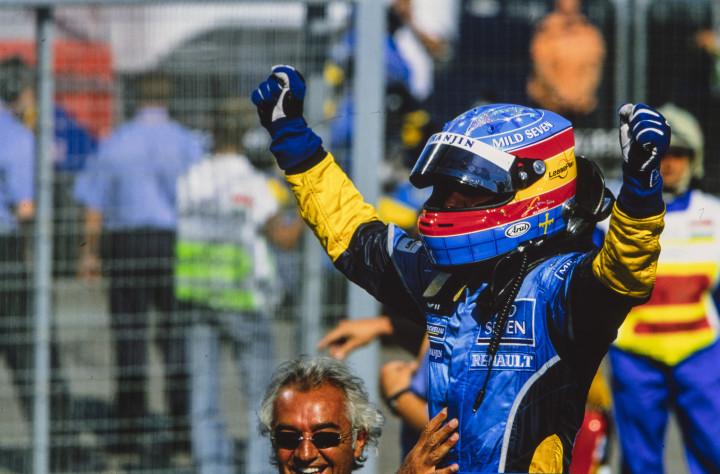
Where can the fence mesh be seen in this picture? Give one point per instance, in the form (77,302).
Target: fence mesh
(173,300)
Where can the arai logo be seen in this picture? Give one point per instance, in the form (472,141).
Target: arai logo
(517,229)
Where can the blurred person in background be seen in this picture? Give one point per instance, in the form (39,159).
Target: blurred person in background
(423,34)
(227,282)
(568,55)
(520,307)
(129,194)
(408,80)
(403,386)
(287,229)
(17,164)
(319,418)
(73,142)
(17,157)
(666,354)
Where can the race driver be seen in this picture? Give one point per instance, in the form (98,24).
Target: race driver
(520,307)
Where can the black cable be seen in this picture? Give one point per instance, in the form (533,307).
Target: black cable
(499,327)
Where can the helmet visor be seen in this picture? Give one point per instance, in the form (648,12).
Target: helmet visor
(463,160)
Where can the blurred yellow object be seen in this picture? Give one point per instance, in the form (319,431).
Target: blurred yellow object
(412,126)
(29,117)
(329,108)
(333,74)
(399,213)
(599,397)
(280,190)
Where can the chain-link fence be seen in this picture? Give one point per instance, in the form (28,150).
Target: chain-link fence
(168,310)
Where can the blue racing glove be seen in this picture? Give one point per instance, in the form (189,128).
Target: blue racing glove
(644,138)
(279,101)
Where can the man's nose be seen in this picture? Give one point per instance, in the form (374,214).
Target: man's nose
(306,450)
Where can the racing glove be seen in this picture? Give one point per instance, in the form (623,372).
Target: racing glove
(644,138)
(279,101)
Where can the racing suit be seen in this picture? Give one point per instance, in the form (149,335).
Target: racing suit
(666,353)
(563,320)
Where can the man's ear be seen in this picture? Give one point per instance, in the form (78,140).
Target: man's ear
(362,437)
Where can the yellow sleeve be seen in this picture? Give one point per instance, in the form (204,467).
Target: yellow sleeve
(628,260)
(330,205)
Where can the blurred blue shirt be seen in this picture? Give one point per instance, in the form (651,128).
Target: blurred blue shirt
(17,155)
(132,180)
(73,142)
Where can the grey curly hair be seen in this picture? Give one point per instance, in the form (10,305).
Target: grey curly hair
(306,373)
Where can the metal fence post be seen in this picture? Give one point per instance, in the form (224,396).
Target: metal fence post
(367,150)
(313,254)
(42,276)
(622,40)
(639,59)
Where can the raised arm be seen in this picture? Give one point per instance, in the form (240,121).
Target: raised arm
(328,201)
(349,229)
(628,259)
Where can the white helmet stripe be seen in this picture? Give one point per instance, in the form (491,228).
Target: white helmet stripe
(498,157)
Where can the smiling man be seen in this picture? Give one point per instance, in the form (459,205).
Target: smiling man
(320,420)
(318,417)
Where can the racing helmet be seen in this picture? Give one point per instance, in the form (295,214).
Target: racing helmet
(521,159)
(686,135)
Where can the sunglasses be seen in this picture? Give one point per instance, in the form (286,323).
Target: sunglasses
(321,440)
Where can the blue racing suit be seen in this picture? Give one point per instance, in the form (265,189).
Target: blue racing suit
(561,324)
